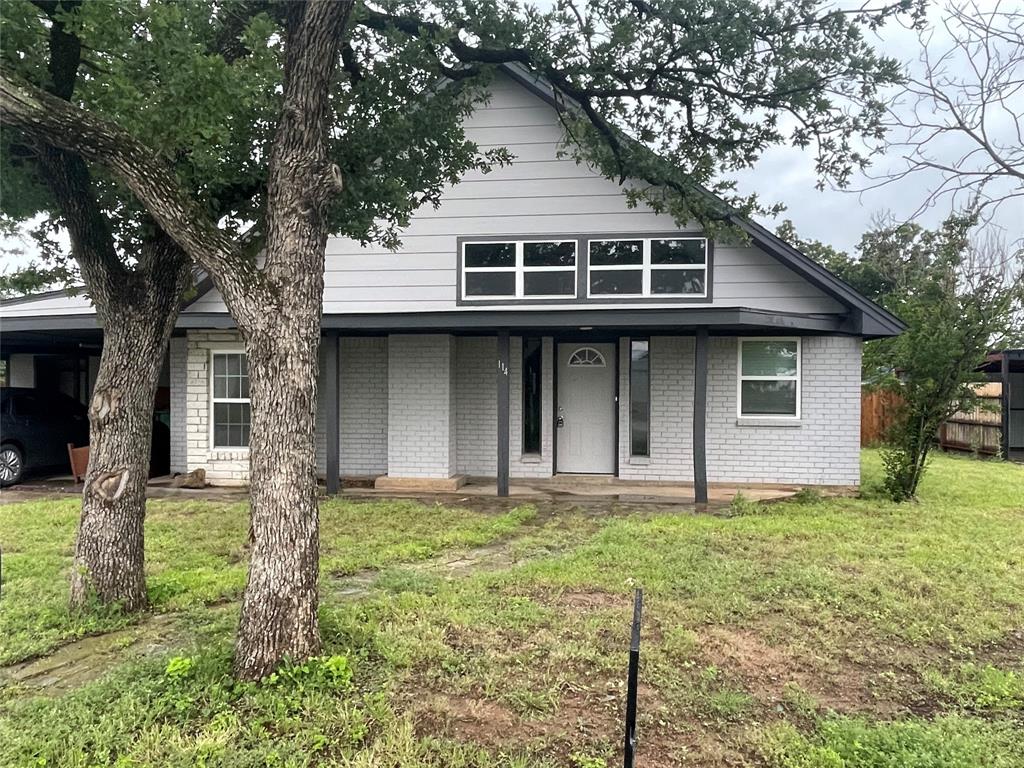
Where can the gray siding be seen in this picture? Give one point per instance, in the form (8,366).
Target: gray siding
(538,194)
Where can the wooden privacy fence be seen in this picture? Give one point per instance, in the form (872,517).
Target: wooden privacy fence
(977,430)
(877,413)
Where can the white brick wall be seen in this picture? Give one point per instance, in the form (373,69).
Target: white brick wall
(223,466)
(823,449)
(425,406)
(177,366)
(476,408)
(671,422)
(476,405)
(421,415)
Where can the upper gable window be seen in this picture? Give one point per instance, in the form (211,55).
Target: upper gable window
(648,267)
(533,269)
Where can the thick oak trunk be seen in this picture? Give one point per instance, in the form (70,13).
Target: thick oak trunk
(281,326)
(109,553)
(279,610)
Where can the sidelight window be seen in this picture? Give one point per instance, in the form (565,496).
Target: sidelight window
(639,397)
(532,357)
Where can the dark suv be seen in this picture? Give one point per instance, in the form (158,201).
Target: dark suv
(35,429)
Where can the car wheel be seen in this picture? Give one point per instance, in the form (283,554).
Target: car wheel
(11,465)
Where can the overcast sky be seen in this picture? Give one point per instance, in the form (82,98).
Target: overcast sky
(839,217)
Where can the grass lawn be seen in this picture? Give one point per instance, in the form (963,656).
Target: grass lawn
(841,633)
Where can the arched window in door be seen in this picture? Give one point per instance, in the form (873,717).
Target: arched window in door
(586,357)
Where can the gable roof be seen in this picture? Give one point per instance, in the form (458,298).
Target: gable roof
(876,320)
(866,318)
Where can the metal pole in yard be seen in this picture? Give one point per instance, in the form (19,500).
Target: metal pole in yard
(631,685)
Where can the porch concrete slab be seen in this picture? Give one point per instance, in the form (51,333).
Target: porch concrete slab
(597,488)
(575,488)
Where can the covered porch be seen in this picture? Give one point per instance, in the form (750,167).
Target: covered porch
(457,400)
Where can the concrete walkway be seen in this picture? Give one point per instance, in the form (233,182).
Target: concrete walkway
(573,488)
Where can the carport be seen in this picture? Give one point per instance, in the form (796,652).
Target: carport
(1007,367)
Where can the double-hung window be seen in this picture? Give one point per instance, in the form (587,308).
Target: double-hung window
(648,267)
(231,417)
(769,378)
(525,269)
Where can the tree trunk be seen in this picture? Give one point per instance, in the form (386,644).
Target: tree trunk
(281,326)
(279,610)
(109,554)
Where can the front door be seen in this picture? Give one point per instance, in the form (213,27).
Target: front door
(586,408)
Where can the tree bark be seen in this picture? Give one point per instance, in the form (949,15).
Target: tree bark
(279,610)
(137,309)
(109,552)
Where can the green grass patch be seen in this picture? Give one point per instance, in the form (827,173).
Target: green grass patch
(803,634)
(197,554)
(949,741)
(980,687)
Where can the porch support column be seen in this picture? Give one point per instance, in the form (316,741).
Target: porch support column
(503,411)
(332,401)
(700,411)
(1004,442)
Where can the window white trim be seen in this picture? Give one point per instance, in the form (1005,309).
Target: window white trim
(520,269)
(213,400)
(740,378)
(645,268)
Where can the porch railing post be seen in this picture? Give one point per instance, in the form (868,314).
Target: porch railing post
(503,411)
(332,401)
(700,412)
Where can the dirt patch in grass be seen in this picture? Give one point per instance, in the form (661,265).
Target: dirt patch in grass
(774,674)
(481,721)
(590,600)
(581,720)
(1007,652)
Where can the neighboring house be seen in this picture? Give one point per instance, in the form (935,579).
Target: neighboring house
(625,346)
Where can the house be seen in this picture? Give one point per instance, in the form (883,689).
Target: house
(536,325)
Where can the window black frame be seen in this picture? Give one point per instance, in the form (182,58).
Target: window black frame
(533,395)
(582,296)
(646,341)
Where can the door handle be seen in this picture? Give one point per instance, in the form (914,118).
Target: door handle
(560,422)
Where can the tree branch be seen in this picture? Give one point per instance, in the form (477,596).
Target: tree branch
(50,119)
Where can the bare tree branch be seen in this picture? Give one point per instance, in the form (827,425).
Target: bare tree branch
(961,118)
